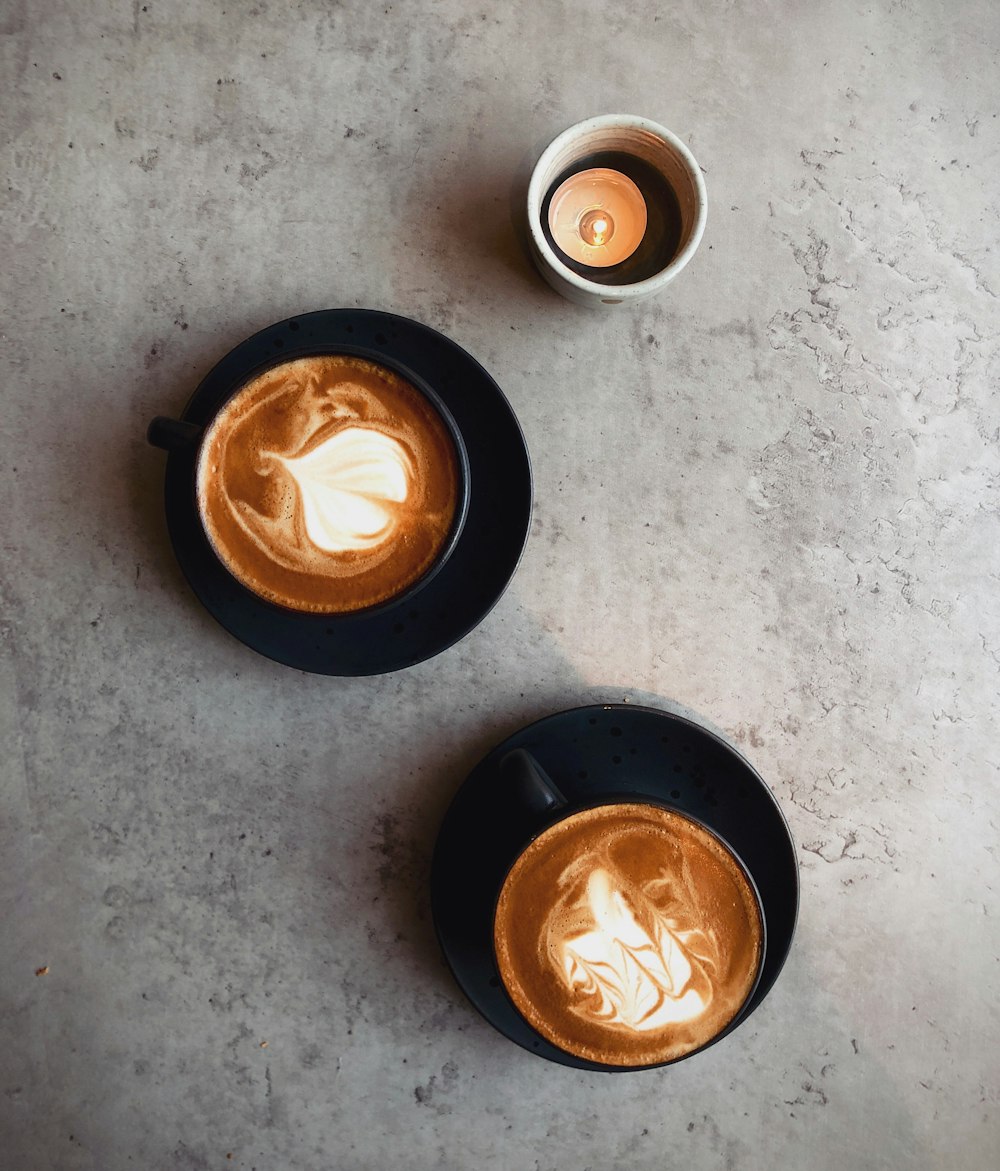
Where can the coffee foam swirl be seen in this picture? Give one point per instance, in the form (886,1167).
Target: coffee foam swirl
(345,484)
(634,968)
(627,934)
(328,484)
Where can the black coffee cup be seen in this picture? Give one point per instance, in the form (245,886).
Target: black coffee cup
(184,439)
(489,525)
(575,762)
(623,970)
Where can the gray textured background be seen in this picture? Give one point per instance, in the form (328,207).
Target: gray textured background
(769,497)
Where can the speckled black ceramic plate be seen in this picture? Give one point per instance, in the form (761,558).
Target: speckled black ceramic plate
(455,599)
(596,754)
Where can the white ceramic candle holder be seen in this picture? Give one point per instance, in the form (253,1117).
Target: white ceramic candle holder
(653,144)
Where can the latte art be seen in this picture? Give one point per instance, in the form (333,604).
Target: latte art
(346,485)
(627,934)
(634,975)
(328,484)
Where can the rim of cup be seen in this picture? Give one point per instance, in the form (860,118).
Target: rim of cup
(424,388)
(565,813)
(566,149)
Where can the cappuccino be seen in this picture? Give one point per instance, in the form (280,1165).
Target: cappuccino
(628,935)
(328,484)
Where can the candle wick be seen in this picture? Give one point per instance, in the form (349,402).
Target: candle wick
(596,227)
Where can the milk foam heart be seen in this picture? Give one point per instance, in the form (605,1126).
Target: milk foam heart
(346,485)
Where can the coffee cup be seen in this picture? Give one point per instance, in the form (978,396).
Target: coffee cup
(625,933)
(335,482)
(613,828)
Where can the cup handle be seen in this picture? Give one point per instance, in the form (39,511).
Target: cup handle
(173,435)
(528,784)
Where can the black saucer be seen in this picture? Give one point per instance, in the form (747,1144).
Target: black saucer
(594,754)
(466,588)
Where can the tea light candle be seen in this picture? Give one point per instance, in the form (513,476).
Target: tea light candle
(597,217)
(637,189)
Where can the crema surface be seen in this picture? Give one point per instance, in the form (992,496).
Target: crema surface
(328,484)
(628,935)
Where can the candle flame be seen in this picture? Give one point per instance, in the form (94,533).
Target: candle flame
(596,227)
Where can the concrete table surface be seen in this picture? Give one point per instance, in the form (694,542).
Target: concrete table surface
(768,497)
